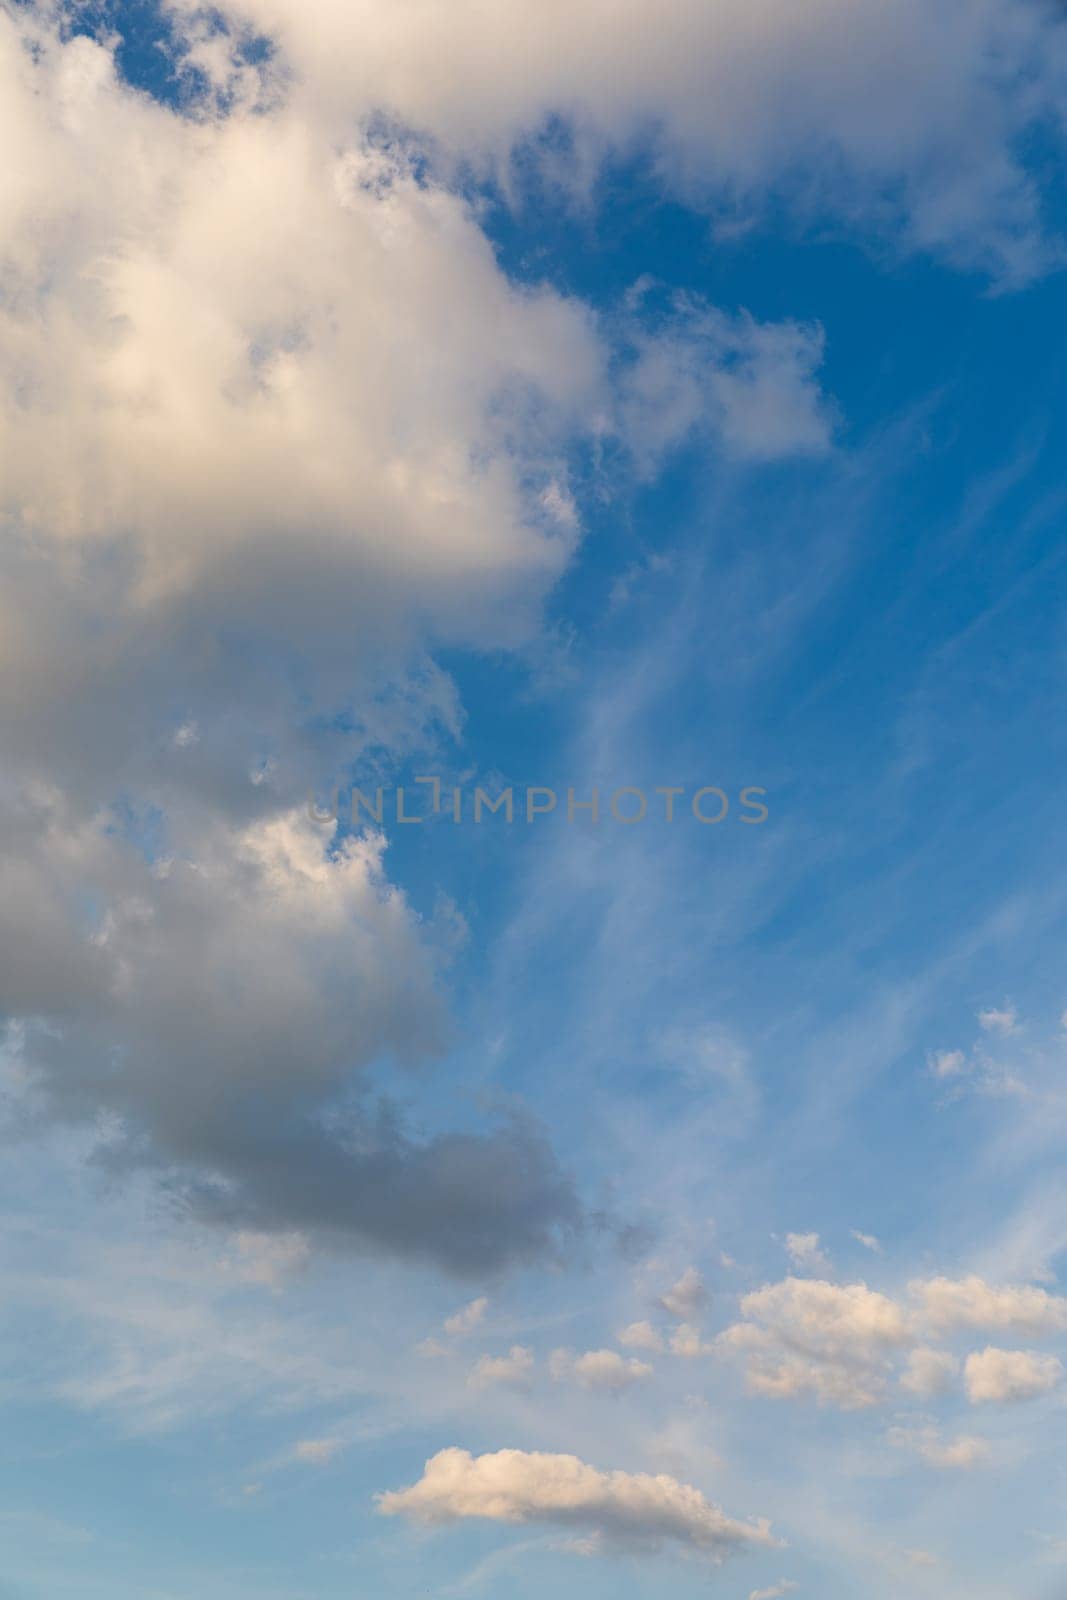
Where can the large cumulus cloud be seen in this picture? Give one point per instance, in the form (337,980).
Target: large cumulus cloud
(276,425)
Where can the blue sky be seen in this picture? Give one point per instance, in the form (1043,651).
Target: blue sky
(507,395)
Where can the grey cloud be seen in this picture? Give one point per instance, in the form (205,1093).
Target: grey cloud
(474,1204)
(223,1009)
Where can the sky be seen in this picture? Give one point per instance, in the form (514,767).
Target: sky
(533,1017)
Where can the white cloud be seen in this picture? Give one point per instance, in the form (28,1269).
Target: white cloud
(466,1320)
(318,1452)
(628,1509)
(603,1370)
(775,1591)
(641,1336)
(950,1304)
(1005,1376)
(1003,1021)
(755,383)
(929,1373)
(947,1063)
(805,1336)
(960,1454)
(868,1241)
(513,1371)
(686,1341)
(261,448)
(803,1250)
(892,115)
(688,1297)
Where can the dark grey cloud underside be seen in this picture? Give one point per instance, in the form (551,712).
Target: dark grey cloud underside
(472,1204)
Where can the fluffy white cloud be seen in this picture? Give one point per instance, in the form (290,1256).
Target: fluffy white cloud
(775,1591)
(641,1336)
(310,453)
(886,112)
(193,442)
(804,1336)
(950,1304)
(513,1371)
(630,1509)
(804,1251)
(948,1063)
(687,1298)
(1003,1020)
(1005,1376)
(868,1241)
(603,1370)
(929,1372)
(465,1321)
(686,1341)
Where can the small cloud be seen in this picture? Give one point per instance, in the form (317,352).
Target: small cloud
(641,1336)
(466,1320)
(1005,1377)
(1055,1548)
(185,736)
(961,1454)
(868,1241)
(947,1064)
(687,1299)
(804,1252)
(603,1370)
(512,1371)
(998,1021)
(952,1304)
(775,1592)
(807,1337)
(686,1341)
(558,503)
(317,1452)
